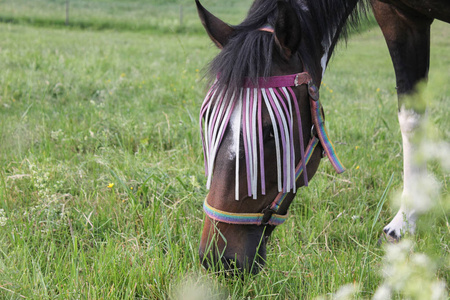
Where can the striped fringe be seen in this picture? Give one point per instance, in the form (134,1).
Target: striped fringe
(215,115)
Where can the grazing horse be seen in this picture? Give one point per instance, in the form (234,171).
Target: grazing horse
(262,124)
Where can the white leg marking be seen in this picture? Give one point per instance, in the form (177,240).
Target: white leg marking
(413,199)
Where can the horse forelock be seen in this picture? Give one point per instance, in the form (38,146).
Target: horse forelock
(248,53)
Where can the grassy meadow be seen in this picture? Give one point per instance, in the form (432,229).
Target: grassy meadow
(101,178)
(163,16)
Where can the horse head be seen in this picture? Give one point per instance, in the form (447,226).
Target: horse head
(257,132)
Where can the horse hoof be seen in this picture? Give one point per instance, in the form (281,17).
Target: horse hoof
(388,238)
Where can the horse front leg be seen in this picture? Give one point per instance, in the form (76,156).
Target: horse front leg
(407,35)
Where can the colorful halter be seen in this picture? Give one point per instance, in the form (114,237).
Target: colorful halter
(278,96)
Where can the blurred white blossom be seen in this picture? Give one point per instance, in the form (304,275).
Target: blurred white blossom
(410,274)
(3,218)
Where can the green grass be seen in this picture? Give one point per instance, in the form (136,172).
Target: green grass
(102,181)
(135,15)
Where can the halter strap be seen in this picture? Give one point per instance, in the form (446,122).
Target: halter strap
(270,216)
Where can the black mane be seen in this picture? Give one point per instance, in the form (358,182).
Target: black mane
(248,53)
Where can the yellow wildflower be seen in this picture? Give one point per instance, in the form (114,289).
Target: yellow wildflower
(110,185)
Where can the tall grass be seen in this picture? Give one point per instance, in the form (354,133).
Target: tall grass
(101,184)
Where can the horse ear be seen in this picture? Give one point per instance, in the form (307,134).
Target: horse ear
(218,31)
(287,30)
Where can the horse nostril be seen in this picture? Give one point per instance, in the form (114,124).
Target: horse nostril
(220,264)
(249,265)
(231,263)
(205,260)
(205,263)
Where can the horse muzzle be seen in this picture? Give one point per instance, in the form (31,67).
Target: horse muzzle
(234,249)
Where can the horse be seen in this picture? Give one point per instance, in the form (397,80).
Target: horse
(263,129)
